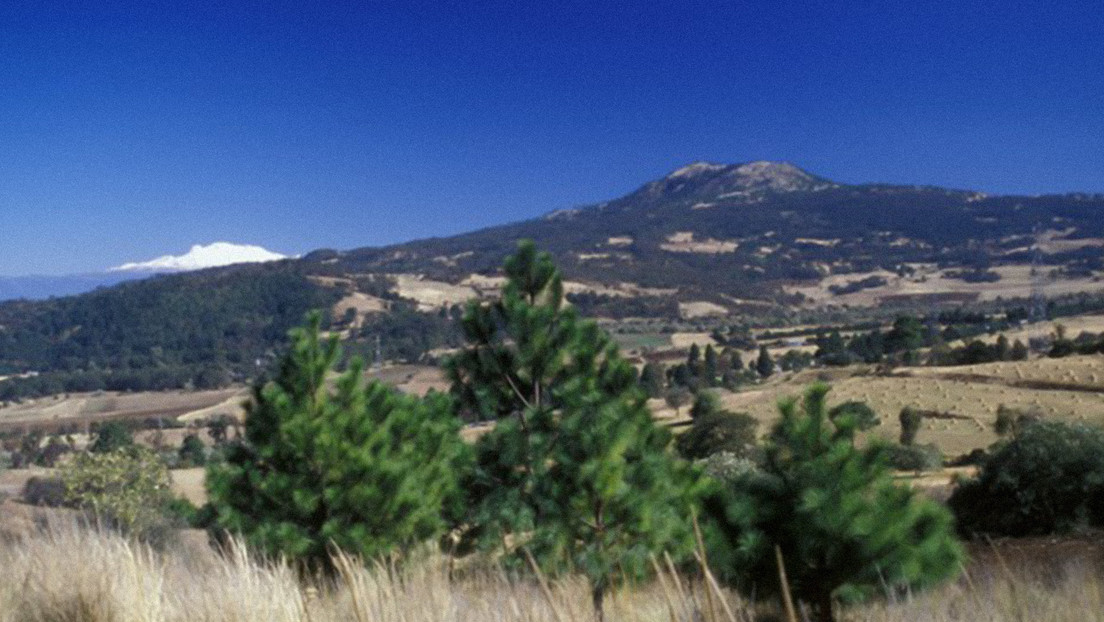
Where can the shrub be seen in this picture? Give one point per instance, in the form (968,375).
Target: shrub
(127,488)
(975,457)
(1047,479)
(915,458)
(1012,421)
(110,437)
(52,453)
(864,416)
(764,364)
(706,403)
(733,433)
(192,452)
(727,467)
(910,419)
(44,491)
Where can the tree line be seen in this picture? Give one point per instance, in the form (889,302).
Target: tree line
(199,330)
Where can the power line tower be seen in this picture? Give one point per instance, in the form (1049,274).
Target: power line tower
(1038,310)
(377,361)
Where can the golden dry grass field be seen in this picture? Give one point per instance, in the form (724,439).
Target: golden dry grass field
(1017,281)
(66,574)
(80,408)
(183,406)
(1069,389)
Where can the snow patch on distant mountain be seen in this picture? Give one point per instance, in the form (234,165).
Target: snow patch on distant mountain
(200,257)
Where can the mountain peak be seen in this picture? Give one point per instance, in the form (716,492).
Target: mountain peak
(749,180)
(696,168)
(199,257)
(778,176)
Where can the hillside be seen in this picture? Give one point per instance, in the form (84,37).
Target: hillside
(757,232)
(707,239)
(201,329)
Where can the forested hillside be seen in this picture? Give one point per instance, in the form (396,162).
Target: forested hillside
(202,328)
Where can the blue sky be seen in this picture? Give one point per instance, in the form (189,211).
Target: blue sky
(129,131)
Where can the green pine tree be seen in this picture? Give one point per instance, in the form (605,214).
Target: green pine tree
(652,380)
(844,528)
(337,463)
(736,361)
(574,472)
(710,366)
(764,364)
(693,358)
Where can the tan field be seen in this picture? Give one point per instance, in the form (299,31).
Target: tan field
(1015,282)
(413,379)
(1073,327)
(691,310)
(970,395)
(189,483)
(87,407)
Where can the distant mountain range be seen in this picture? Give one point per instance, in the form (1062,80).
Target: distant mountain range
(217,254)
(39,287)
(707,239)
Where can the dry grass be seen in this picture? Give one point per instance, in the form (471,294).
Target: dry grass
(1087,371)
(67,575)
(1016,282)
(972,392)
(81,408)
(412,379)
(190,484)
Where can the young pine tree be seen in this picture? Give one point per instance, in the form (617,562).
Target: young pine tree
(337,463)
(574,472)
(844,528)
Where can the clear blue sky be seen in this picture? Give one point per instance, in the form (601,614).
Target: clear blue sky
(129,131)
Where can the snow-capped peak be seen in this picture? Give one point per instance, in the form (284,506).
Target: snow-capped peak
(200,257)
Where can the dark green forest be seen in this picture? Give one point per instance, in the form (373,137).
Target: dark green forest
(201,329)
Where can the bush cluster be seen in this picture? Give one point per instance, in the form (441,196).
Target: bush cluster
(1048,478)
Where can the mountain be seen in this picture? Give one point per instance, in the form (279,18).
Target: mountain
(40,287)
(756,239)
(199,257)
(761,232)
